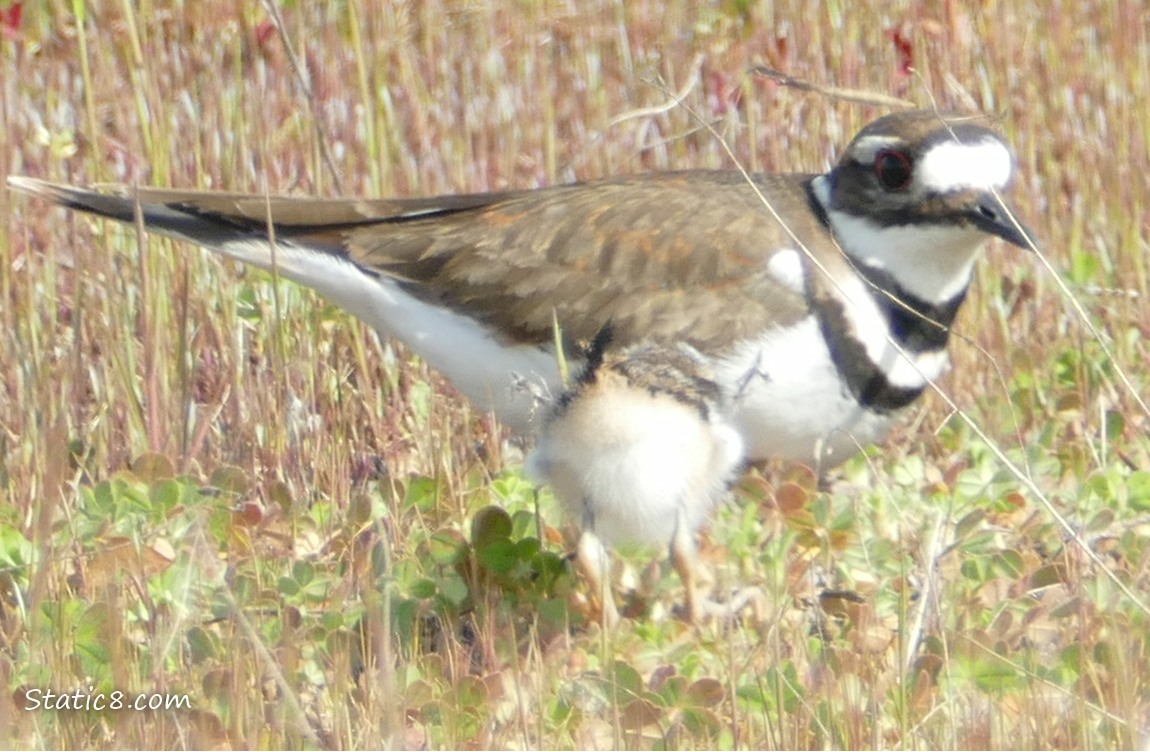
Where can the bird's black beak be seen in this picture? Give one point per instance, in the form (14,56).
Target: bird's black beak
(990,214)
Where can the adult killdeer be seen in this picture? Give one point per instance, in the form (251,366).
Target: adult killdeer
(821,301)
(639,451)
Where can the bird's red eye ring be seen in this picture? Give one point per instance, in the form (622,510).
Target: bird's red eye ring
(893,169)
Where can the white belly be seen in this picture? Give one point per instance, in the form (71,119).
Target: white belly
(793,403)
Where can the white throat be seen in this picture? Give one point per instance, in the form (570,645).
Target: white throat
(932,262)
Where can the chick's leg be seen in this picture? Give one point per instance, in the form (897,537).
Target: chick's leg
(594,562)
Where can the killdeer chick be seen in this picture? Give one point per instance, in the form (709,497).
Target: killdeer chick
(639,452)
(839,297)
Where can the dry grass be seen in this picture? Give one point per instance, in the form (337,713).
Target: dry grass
(215,484)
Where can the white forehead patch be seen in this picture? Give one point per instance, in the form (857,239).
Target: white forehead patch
(952,166)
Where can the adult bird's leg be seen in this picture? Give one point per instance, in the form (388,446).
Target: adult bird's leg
(685,560)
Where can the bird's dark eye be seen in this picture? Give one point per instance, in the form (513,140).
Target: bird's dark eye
(893,169)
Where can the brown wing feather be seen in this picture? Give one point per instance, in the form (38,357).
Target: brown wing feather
(665,257)
(662,256)
(301,213)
